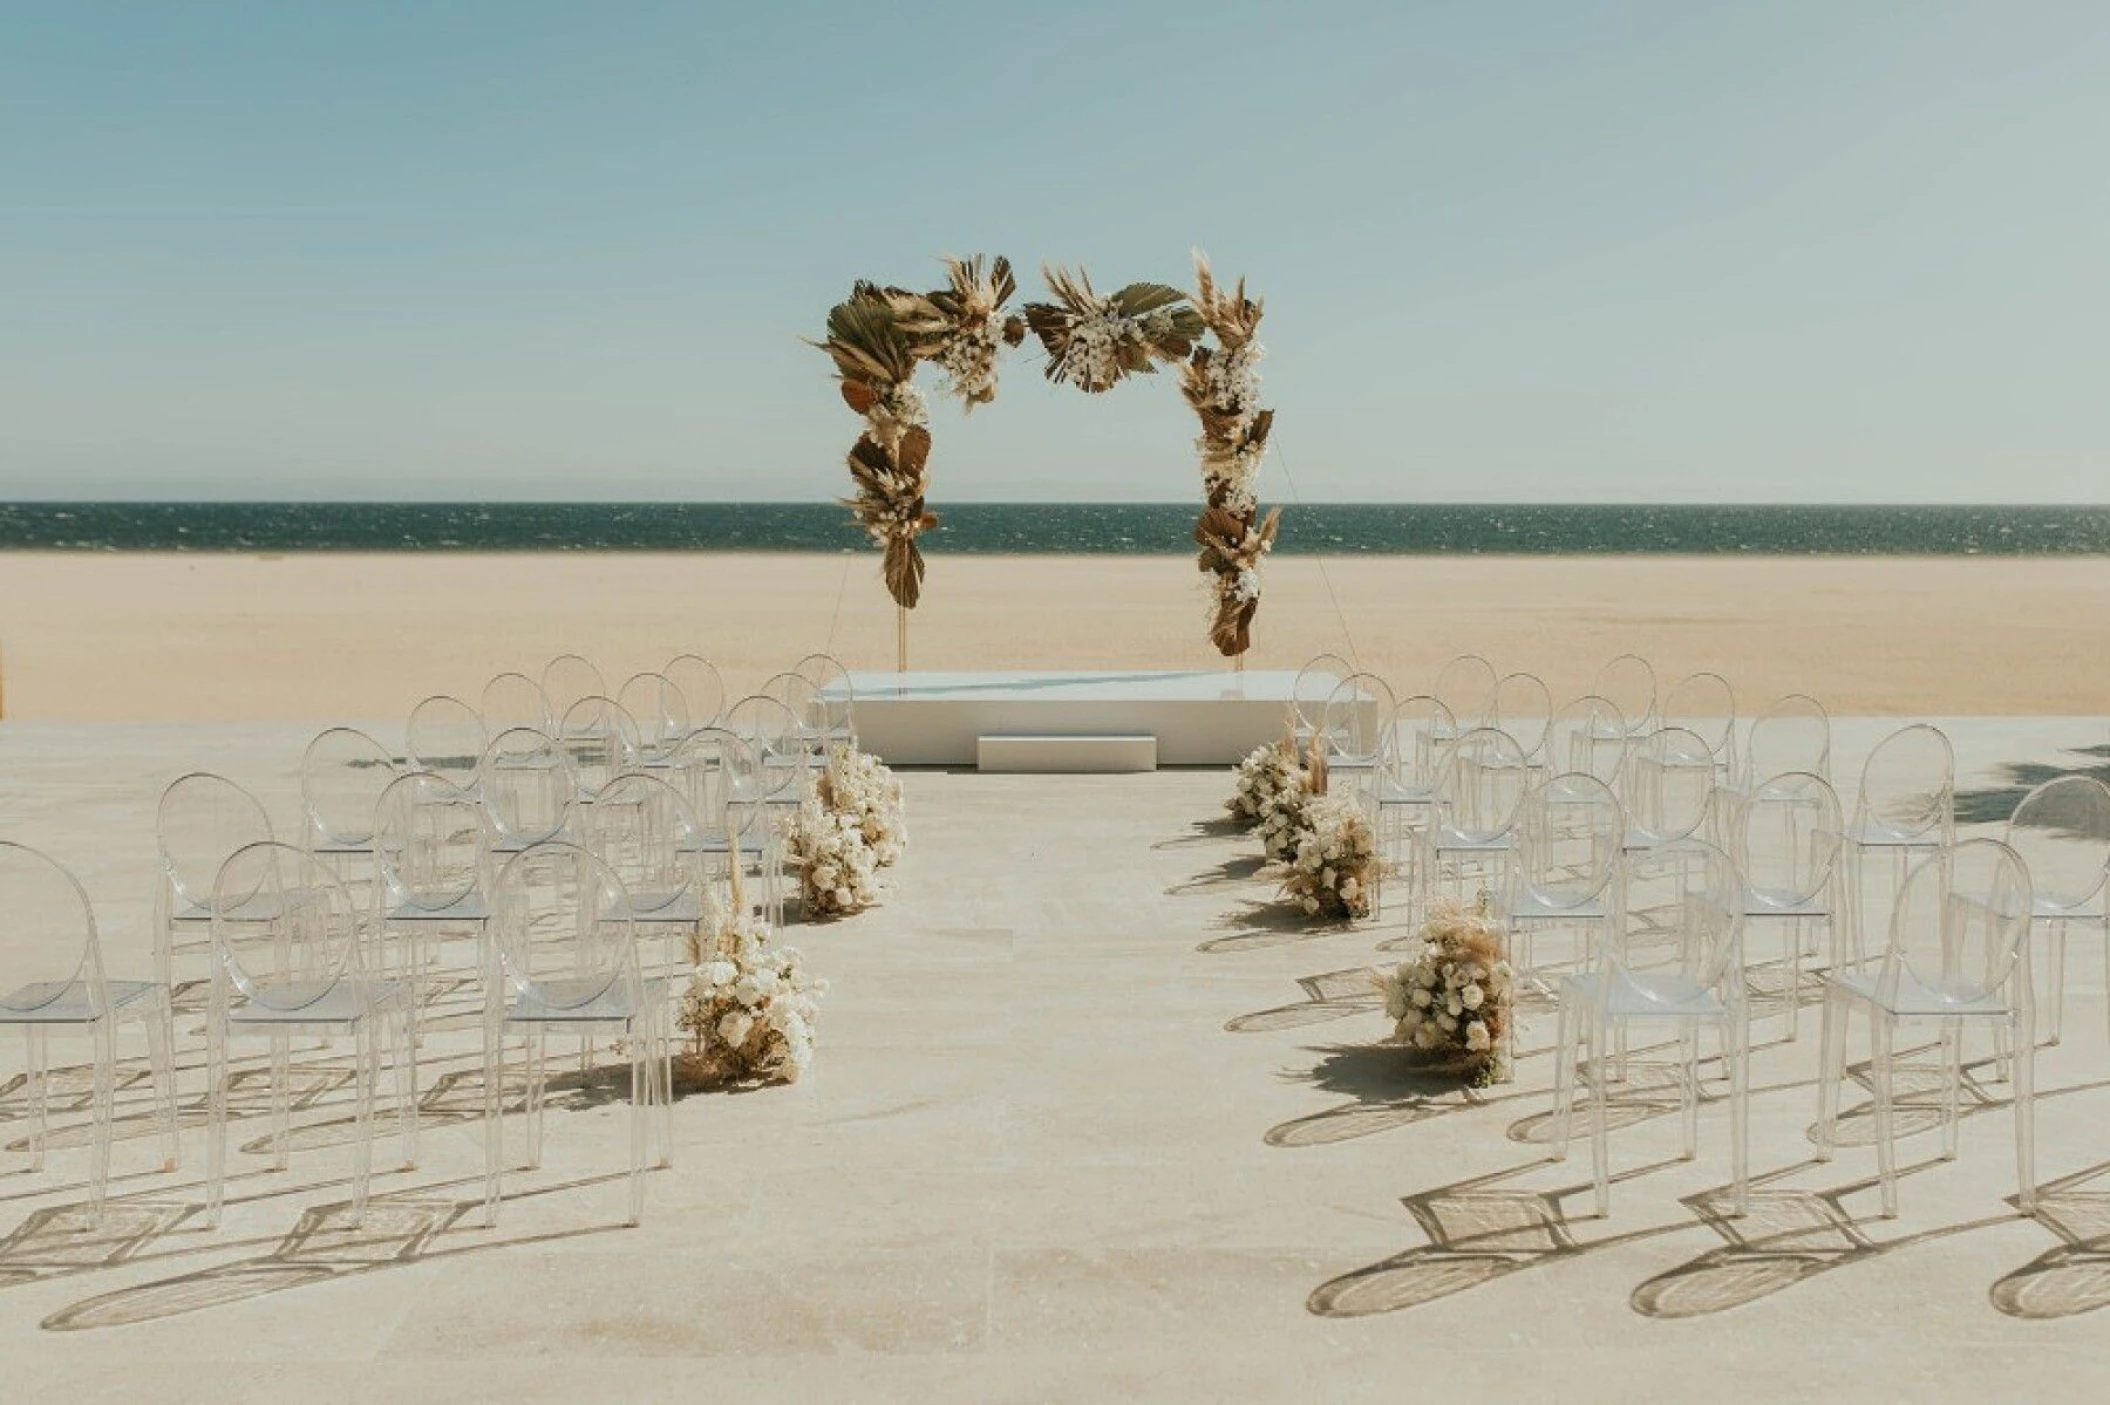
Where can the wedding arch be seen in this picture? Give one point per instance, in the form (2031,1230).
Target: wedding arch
(880,335)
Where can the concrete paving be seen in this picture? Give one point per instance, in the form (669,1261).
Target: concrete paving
(1088,1118)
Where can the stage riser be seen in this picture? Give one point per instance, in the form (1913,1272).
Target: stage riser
(1198,719)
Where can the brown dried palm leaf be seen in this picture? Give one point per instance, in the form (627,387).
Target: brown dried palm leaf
(865,340)
(1232,316)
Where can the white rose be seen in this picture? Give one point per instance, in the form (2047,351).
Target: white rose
(1349,888)
(1422,998)
(734,1028)
(1452,1005)
(1477,1038)
(842,897)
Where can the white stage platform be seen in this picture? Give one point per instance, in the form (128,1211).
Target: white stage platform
(1199,719)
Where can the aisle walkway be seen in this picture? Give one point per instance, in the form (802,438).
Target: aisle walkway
(1087,1119)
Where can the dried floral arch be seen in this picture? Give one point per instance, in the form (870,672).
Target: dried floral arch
(879,336)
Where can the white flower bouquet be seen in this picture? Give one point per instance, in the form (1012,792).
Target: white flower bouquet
(1333,859)
(750,1007)
(1452,1004)
(858,784)
(837,867)
(1265,774)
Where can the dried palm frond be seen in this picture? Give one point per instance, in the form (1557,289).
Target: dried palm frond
(891,483)
(1095,340)
(1233,317)
(866,342)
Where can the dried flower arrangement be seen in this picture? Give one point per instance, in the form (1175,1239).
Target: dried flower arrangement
(852,825)
(1266,773)
(1452,1004)
(877,337)
(1333,859)
(750,1007)
(1222,385)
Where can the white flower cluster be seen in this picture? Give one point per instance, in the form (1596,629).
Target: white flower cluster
(750,1007)
(1334,858)
(1092,358)
(1282,816)
(886,520)
(838,872)
(903,404)
(1453,1001)
(968,358)
(1265,774)
(1233,379)
(859,784)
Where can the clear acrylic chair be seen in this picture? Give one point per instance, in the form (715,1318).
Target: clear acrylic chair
(295,956)
(803,700)
(515,700)
(566,679)
(1958,954)
(201,819)
(1588,735)
(54,961)
(1406,785)
(701,688)
(1785,840)
(780,781)
(564,958)
(446,737)
(2062,831)
(1356,727)
(661,711)
(430,858)
(1705,705)
(1466,685)
(838,698)
(1309,692)
(1481,784)
(1561,870)
(342,775)
(599,740)
(1628,682)
(1524,709)
(720,777)
(1687,977)
(1794,733)
(529,793)
(1668,790)
(646,830)
(1906,808)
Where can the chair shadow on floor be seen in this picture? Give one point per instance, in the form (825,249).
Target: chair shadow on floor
(401,1230)
(2072,1277)
(1329,995)
(1476,1233)
(1788,1237)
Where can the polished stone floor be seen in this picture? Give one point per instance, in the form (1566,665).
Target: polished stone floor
(1089,1118)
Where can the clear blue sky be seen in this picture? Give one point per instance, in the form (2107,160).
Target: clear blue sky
(1568,251)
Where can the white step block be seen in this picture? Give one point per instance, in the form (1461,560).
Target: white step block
(1068,755)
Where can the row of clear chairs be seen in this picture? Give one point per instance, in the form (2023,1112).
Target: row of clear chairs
(1762,839)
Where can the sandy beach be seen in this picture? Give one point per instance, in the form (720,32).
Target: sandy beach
(232,638)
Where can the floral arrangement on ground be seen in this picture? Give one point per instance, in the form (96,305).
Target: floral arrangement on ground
(1452,1003)
(1333,858)
(750,1007)
(1262,778)
(851,827)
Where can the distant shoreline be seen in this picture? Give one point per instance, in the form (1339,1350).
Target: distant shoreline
(1057,529)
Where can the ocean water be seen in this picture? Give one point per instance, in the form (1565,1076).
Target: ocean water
(1124,529)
